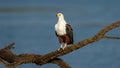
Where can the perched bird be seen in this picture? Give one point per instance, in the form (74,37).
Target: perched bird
(63,31)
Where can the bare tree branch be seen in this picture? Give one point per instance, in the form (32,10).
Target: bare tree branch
(44,59)
(60,63)
(110,37)
(4,62)
(11,60)
(10,46)
(7,54)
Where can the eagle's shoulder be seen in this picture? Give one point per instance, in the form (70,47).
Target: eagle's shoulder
(68,27)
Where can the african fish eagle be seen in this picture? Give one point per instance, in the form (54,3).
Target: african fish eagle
(63,31)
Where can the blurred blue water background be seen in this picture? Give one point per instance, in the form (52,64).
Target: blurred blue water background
(30,24)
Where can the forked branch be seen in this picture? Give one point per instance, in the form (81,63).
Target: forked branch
(11,60)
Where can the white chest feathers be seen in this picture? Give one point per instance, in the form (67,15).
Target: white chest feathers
(60,28)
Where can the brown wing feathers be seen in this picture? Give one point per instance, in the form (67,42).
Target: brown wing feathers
(69,32)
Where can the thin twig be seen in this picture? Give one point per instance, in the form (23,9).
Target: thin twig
(110,37)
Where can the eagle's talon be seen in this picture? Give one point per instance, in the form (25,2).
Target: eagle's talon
(59,49)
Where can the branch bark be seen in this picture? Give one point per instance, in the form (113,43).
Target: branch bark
(110,37)
(73,47)
(11,60)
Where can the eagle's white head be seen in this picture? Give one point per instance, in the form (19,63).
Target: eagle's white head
(60,16)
